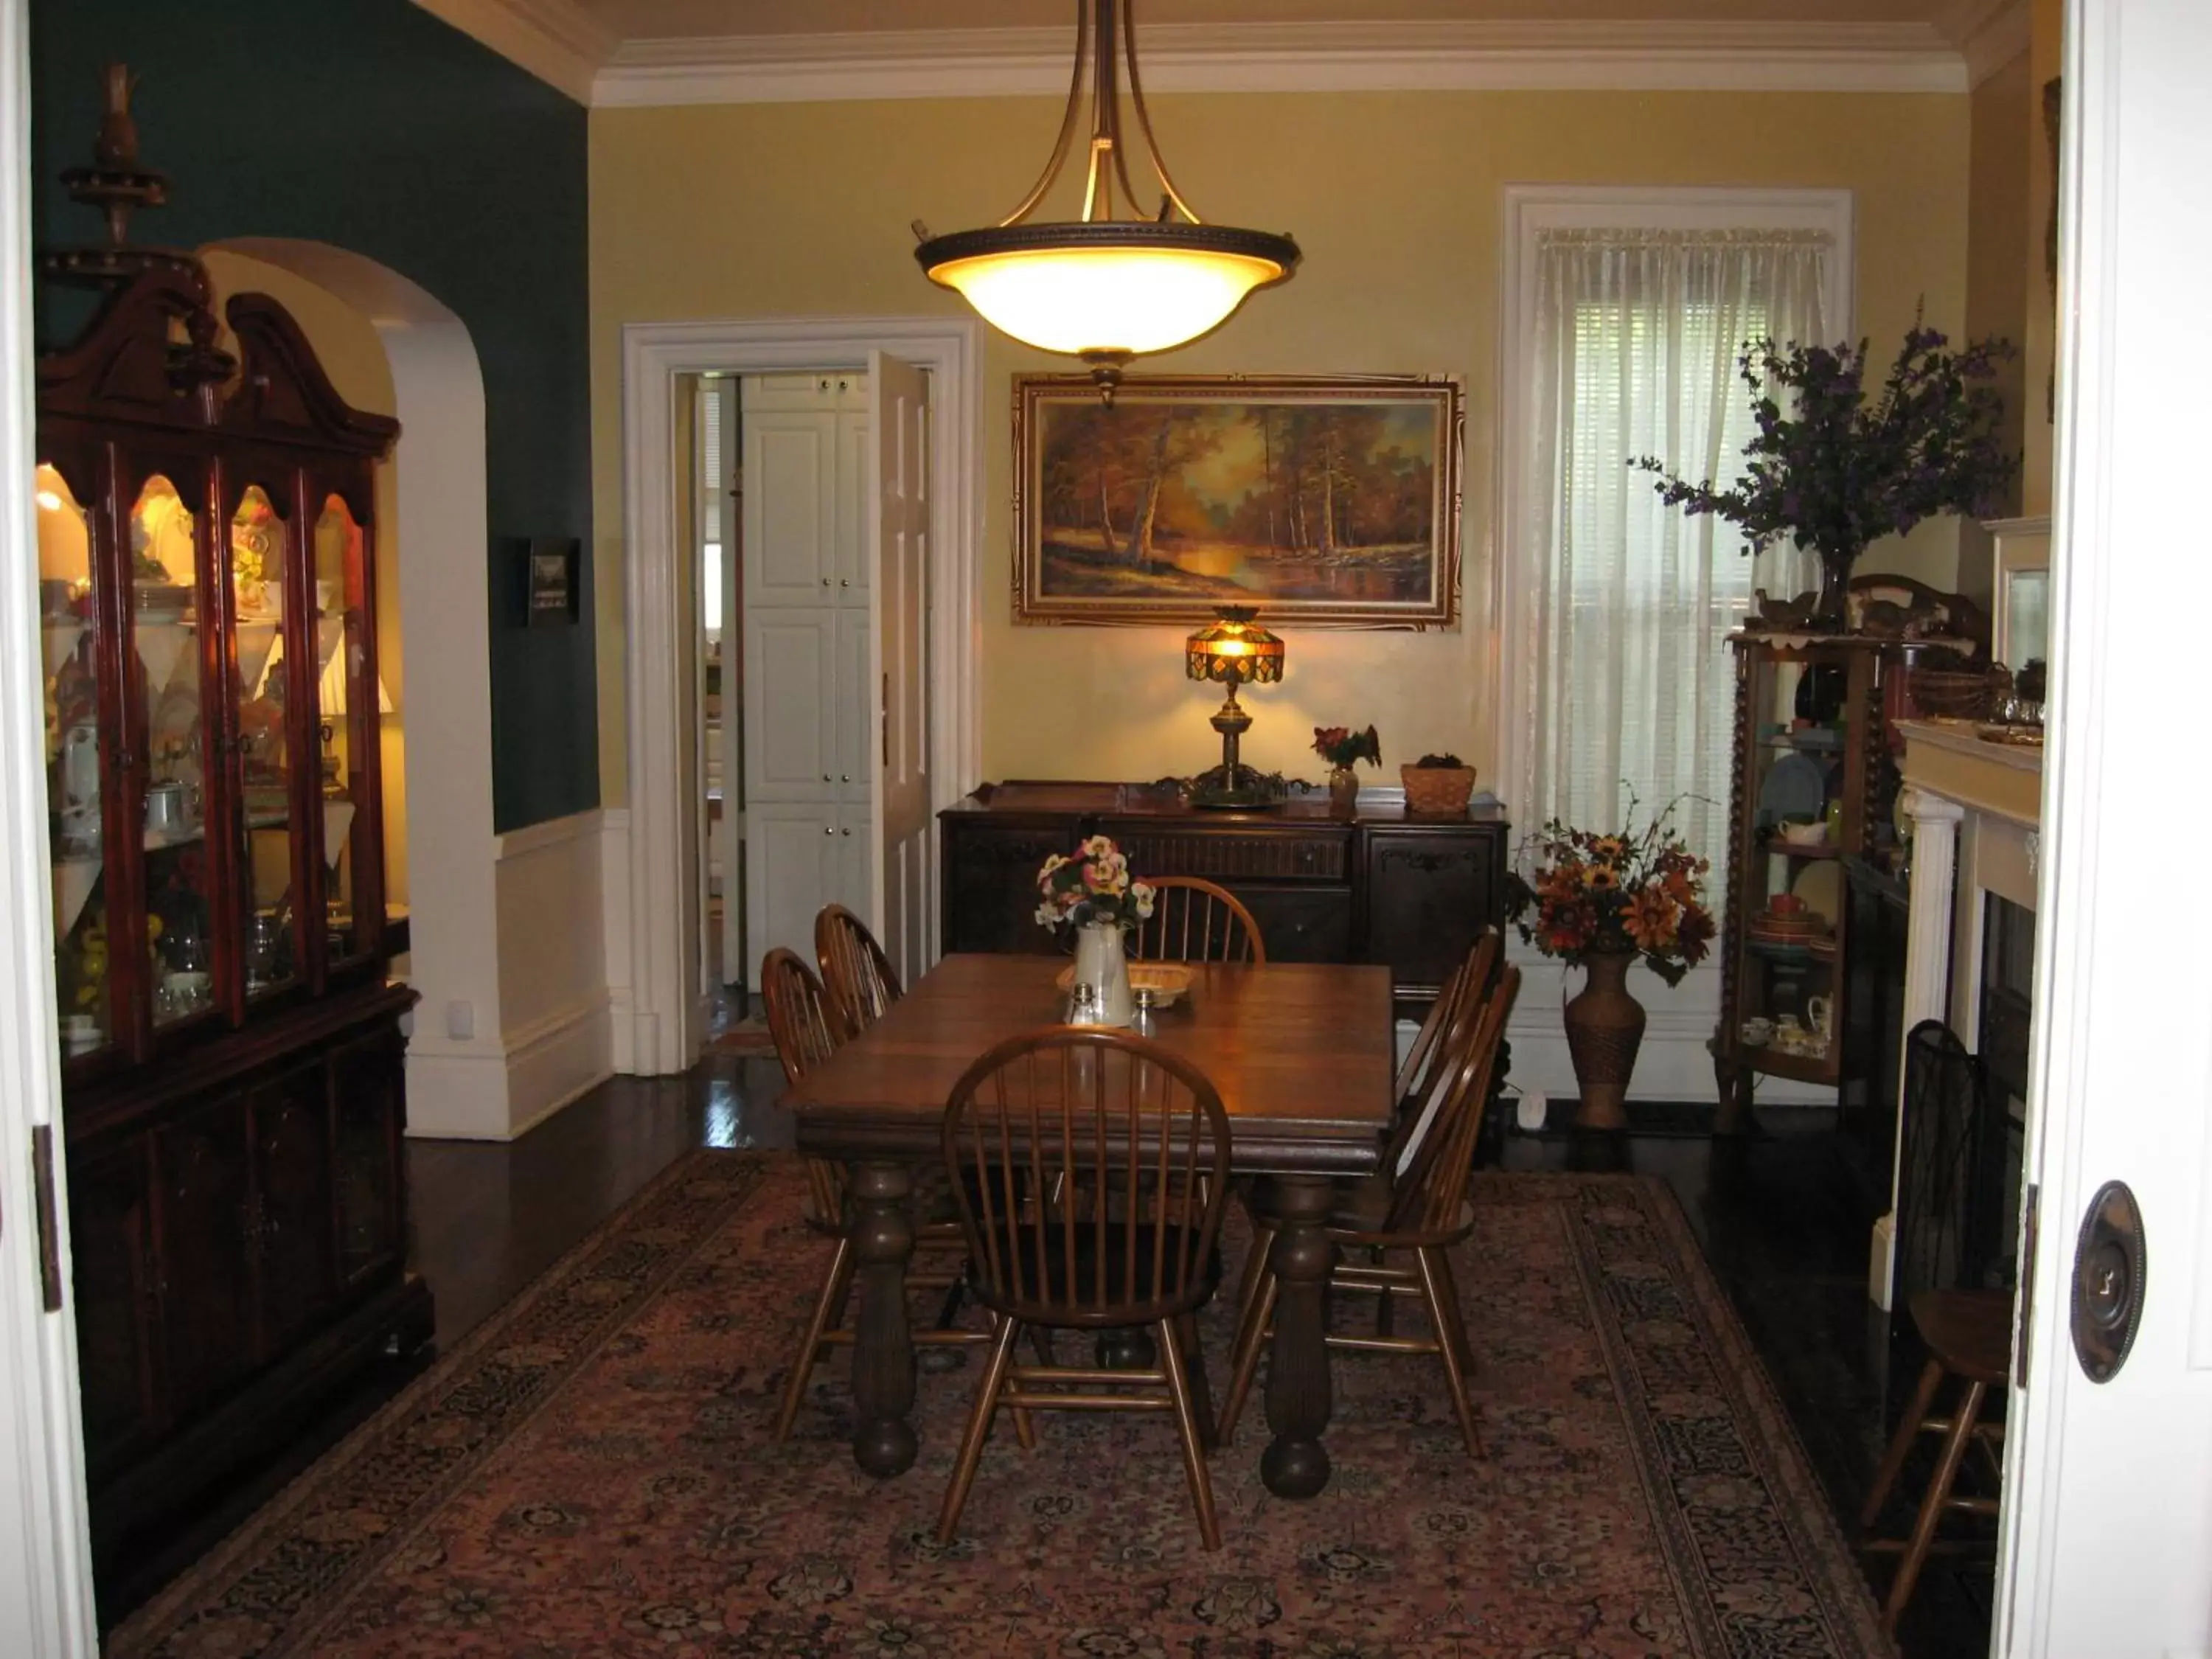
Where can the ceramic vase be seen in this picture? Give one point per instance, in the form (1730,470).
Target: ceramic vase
(1605,1028)
(1100,993)
(1343,791)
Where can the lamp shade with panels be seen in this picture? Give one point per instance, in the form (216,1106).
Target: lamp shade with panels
(1234,650)
(1099,288)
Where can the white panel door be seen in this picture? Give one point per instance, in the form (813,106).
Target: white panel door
(793,867)
(898,516)
(856,766)
(791,703)
(856,460)
(790,506)
(2107,1551)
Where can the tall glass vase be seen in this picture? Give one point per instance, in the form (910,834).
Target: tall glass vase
(1833,614)
(1100,993)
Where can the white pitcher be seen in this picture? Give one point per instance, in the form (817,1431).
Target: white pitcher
(1102,965)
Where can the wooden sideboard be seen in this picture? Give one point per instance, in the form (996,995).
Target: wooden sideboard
(1380,886)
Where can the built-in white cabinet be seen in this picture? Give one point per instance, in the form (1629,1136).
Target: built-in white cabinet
(808,454)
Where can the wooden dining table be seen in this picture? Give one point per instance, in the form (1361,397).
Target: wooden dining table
(1302,1055)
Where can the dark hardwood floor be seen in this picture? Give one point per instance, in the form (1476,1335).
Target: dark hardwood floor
(1780,1220)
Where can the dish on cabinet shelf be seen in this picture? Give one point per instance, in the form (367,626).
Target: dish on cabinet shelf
(1795,788)
(1821,887)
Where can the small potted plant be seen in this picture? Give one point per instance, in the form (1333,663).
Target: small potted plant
(1437,784)
(1094,893)
(1601,902)
(1340,745)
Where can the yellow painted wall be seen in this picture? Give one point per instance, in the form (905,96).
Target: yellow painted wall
(348,348)
(765,211)
(2004,266)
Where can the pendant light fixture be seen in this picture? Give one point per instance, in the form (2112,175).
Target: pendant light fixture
(1102,289)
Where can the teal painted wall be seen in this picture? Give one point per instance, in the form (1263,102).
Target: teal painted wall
(370,125)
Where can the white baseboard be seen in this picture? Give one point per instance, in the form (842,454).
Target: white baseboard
(1674,1063)
(553,1061)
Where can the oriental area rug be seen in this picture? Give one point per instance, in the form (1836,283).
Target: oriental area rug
(590,1473)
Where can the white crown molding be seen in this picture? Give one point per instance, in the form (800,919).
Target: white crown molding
(556,40)
(1343,56)
(1991,33)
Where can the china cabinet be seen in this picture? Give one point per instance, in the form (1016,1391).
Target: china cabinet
(231,1046)
(1814,787)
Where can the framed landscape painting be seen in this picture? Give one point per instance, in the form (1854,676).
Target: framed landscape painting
(1313,500)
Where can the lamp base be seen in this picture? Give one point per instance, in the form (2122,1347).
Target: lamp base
(1230,789)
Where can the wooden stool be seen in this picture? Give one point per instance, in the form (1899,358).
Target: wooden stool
(1969,1335)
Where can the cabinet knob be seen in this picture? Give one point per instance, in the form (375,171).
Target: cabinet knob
(843,778)
(847,832)
(828,828)
(843,582)
(825,777)
(825,581)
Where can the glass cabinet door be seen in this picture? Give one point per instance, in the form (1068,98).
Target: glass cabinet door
(351,703)
(267,892)
(87,990)
(166,658)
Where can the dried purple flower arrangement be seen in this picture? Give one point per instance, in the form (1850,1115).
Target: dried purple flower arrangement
(1836,472)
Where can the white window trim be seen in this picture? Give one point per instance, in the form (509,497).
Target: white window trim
(1674,1065)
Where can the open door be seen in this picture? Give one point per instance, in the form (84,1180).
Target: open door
(2108,1535)
(899,658)
(45,1579)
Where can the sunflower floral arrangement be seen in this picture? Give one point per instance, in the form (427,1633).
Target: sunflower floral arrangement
(1093,886)
(1630,893)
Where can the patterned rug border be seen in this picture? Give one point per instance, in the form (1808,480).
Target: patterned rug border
(625,1262)
(160,1616)
(1821,1548)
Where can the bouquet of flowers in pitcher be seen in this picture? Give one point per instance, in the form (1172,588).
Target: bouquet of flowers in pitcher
(1626,892)
(1094,885)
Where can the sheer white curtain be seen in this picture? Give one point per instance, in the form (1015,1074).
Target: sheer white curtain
(1637,338)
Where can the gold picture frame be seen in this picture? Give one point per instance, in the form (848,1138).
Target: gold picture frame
(1315,499)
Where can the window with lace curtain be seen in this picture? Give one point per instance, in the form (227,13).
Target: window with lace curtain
(1618,679)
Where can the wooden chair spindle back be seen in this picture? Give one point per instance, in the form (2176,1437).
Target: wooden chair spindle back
(1430,1198)
(807,1030)
(1195,920)
(858,977)
(1074,1156)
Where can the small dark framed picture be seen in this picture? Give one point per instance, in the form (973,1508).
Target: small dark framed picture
(550,591)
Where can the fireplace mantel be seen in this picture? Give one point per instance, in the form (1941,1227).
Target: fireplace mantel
(1975,806)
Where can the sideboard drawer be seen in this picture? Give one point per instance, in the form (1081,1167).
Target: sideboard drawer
(1301,923)
(1320,853)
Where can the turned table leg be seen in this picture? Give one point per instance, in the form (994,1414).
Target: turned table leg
(1295,1463)
(883,1347)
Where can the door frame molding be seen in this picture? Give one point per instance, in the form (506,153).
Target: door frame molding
(652,918)
(45,1573)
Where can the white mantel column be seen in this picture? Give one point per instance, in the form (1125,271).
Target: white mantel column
(1927,985)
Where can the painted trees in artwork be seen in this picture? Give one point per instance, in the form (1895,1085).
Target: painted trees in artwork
(1134,482)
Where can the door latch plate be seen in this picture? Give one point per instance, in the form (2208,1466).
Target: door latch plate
(2109,1267)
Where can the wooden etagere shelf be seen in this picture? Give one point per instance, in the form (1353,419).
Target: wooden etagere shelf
(1813,745)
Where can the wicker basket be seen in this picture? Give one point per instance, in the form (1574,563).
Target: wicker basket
(1954,693)
(1437,789)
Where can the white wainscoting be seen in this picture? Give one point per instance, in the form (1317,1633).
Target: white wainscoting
(548,1035)
(1673,1064)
